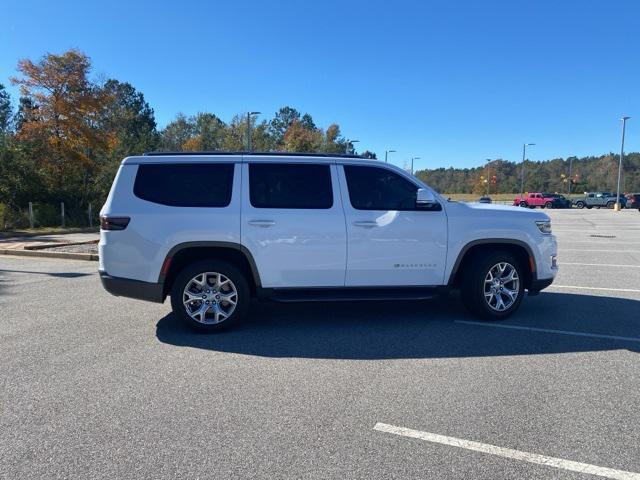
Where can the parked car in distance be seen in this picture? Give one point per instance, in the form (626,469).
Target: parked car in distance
(212,231)
(561,200)
(484,200)
(599,200)
(633,200)
(535,199)
(623,199)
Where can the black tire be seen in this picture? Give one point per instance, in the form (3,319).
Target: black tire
(580,204)
(589,207)
(523,204)
(548,205)
(610,204)
(473,285)
(238,280)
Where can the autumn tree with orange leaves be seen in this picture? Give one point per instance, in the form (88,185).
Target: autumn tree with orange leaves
(64,134)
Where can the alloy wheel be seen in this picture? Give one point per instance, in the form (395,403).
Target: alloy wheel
(501,286)
(210,298)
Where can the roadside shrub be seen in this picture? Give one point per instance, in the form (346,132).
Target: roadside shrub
(46,215)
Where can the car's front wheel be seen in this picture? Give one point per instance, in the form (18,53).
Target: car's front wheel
(210,295)
(493,286)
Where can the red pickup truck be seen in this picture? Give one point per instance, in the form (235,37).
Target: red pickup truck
(535,199)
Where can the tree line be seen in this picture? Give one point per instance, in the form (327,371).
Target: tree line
(64,138)
(557,176)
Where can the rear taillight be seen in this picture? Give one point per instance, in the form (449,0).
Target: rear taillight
(113,223)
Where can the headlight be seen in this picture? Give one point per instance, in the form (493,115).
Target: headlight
(544,226)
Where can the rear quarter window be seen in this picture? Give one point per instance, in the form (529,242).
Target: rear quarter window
(186,184)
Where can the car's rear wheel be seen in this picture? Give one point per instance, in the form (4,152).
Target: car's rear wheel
(580,204)
(210,295)
(494,286)
(610,204)
(523,204)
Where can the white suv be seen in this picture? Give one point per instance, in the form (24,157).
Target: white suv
(215,230)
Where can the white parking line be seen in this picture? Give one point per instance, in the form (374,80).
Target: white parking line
(570,249)
(575,287)
(549,330)
(601,265)
(509,453)
(600,242)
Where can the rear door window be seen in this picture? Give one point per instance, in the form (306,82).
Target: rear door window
(290,185)
(185,184)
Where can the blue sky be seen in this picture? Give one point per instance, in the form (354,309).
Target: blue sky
(451,82)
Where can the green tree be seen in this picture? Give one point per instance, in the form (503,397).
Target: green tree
(208,133)
(283,119)
(130,121)
(176,134)
(130,118)
(20,183)
(261,139)
(235,135)
(27,112)
(281,123)
(6,111)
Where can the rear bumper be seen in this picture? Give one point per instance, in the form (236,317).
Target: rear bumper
(125,287)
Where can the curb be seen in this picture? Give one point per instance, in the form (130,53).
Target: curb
(13,233)
(53,245)
(38,253)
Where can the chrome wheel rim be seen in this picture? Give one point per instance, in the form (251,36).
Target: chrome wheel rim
(210,298)
(501,286)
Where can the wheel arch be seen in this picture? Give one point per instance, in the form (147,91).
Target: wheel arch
(184,253)
(471,250)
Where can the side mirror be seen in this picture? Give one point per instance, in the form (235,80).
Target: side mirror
(425,198)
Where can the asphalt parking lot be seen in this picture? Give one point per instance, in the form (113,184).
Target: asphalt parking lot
(94,386)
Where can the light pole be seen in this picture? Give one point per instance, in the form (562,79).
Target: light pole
(487,172)
(524,152)
(249,114)
(412,159)
(624,124)
(570,177)
(386,153)
(349,145)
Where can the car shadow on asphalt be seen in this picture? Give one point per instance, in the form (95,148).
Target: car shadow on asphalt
(51,274)
(5,280)
(418,329)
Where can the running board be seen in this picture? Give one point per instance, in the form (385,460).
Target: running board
(288,295)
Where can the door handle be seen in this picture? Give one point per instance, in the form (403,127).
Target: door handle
(262,223)
(365,223)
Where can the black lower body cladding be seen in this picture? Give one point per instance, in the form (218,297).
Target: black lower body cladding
(125,287)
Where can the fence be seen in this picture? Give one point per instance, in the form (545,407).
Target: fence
(37,214)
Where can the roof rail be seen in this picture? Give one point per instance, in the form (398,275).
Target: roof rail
(278,154)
